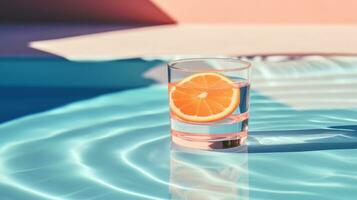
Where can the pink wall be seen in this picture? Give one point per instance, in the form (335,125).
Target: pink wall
(182,11)
(261,11)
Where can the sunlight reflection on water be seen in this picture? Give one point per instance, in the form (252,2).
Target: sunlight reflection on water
(117,146)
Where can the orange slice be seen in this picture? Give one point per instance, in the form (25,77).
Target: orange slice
(204,97)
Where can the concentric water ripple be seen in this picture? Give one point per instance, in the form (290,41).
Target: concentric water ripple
(117,146)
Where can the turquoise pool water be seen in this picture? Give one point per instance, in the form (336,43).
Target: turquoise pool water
(302,145)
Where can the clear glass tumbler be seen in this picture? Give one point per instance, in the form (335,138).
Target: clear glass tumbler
(209,102)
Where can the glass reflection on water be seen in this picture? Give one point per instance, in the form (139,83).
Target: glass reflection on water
(208,175)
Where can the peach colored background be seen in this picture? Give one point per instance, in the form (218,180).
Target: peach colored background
(181,11)
(212,27)
(260,11)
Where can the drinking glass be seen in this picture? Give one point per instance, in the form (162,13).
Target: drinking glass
(209,102)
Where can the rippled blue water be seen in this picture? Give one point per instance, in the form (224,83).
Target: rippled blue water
(117,146)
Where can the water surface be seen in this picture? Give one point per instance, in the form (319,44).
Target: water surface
(117,146)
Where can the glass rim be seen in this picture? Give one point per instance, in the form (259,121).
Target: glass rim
(246,65)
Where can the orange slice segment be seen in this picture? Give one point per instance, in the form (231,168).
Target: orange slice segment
(204,97)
